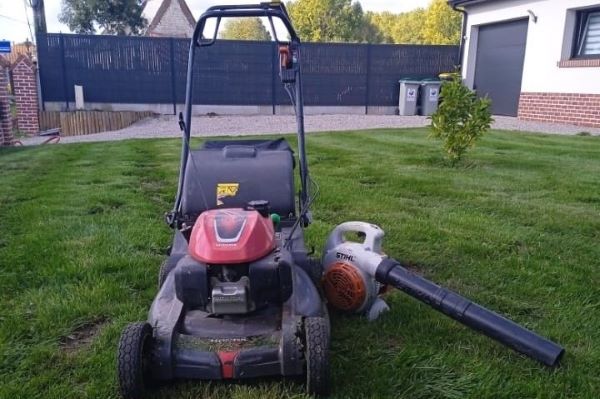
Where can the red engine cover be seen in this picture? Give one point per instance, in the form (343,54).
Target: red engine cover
(229,236)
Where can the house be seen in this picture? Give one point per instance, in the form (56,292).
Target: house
(536,59)
(169,18)
(26,48)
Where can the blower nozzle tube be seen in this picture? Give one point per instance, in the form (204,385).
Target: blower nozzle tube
(472,315)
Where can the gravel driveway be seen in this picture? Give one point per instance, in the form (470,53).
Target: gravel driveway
(205,126)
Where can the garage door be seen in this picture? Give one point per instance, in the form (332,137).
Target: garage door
(499,64)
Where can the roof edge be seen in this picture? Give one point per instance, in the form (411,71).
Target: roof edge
(457,3)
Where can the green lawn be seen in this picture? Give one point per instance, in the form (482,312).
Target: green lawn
(516,228)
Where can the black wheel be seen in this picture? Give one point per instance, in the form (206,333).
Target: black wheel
(165,269)
(134,360)
(316,352)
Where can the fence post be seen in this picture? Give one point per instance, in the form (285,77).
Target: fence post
(6,134)
(368,85)
(41,40)
(63,66)
(173,80)
(274,60)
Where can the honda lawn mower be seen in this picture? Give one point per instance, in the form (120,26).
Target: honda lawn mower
(239,294)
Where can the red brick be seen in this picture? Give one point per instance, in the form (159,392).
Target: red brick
(25,90)
(576,108)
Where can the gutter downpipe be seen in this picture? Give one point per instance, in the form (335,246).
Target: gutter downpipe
(463,34)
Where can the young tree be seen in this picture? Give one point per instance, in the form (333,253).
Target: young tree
(328,20)
(461,119)
(117,17)
(245,29)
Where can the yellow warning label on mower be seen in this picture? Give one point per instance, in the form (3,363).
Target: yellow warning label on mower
(226,190)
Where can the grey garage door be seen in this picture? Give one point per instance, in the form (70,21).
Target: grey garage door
(499,64)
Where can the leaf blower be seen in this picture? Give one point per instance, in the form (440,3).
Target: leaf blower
(354,273)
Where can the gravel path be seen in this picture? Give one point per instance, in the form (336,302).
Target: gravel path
(204,126)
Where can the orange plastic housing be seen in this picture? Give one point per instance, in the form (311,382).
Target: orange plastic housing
(344,287)
(231,236)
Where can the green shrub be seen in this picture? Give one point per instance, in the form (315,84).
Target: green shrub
(461,118)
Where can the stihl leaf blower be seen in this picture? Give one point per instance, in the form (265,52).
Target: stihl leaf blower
(354,273)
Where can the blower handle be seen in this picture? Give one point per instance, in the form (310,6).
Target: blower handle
(472,315)
(373,235)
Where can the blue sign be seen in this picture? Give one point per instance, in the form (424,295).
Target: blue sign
(4,46)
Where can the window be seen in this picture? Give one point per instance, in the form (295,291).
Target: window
(587,34)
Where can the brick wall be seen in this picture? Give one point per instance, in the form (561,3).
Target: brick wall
(6,137)
(25,91)
(576,109)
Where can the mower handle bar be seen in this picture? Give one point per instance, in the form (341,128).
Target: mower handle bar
(268,10)
(274,5)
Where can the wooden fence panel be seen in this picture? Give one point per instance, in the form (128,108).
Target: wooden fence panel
(88,122)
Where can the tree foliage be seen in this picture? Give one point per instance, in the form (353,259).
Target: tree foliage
(329,20)
(442,24)
(245,29)
(461,119)
(344,20)
(119,17)
(406,28)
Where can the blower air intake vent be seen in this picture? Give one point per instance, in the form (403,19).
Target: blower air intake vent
(344,287)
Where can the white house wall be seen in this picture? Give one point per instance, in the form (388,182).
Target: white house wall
(547,44)
(554,88)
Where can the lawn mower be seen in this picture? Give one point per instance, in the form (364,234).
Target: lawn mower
(240,296)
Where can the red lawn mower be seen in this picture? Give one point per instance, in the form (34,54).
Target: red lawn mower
(239,295)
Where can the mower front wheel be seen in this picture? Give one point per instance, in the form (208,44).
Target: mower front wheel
(316,352)
(133,360)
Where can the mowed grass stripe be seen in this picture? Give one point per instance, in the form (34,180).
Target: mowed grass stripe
(515,227)
(82,256)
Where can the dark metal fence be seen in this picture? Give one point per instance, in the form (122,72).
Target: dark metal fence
(143,70)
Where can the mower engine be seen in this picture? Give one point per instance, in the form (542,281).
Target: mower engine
(233,266)
(348,287)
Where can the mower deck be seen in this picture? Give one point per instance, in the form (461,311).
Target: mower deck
(230,348)
(195,344)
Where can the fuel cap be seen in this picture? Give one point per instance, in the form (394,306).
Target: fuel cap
(261,206)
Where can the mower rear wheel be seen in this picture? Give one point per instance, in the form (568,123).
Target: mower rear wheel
(316,352)
(133,360)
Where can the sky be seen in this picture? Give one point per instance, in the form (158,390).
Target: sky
(14,27)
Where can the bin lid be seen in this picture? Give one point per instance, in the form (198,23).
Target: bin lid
(410,81)
(447,75)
